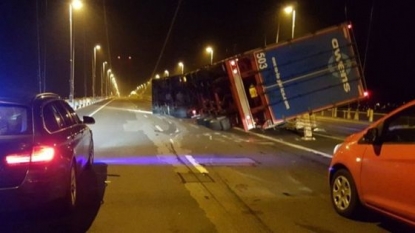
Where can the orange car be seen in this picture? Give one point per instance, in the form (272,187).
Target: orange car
(376,168)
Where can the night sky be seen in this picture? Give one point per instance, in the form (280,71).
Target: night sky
(157,34)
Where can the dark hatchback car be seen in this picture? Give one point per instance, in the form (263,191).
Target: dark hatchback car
(44,147)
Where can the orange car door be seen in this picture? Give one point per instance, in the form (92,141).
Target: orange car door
(388,167)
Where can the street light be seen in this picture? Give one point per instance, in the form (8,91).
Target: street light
(114,82)
(94,69)
(166,73)
(157,76)
(76,4)
(291,10)
(102,77)
(181,66)
(107,78)
(287,10)
(210,50)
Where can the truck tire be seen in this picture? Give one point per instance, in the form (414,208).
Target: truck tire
(225,123)
(206,121)
(215,124)
(200,120)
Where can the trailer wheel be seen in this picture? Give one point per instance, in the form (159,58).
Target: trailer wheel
(225,123)
(215,124)
(200,120)
(206,121)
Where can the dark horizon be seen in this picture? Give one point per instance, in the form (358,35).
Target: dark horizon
(139,29)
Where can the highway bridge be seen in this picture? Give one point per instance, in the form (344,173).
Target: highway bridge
(156,173)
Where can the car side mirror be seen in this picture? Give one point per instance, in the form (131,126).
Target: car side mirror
(88,120)
(371,136)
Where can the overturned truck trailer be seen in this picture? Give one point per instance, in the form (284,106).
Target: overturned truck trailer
(204,93)
(267,86)
(173,96)
(304,75)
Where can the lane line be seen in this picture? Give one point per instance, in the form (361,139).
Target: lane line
(289,144)
(199,167)
(331,137)
(141,111)
(159,128)
(93,113)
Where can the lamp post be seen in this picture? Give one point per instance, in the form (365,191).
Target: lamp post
(166,73)
(114,82)
(102,77)
(76,4)
(107,78)
(210,50)
(157,76)
(278,29)
(291,10)
(287,10)
(181,66)
(112,78)
(94,69)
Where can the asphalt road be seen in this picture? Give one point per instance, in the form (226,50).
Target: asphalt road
(160,174)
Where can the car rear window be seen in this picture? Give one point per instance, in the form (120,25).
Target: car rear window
(14,120)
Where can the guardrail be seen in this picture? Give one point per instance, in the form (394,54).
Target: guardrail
(350,114)
(83,102)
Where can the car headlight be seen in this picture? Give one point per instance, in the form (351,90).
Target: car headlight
(337,147)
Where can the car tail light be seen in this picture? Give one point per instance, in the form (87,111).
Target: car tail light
(39,154)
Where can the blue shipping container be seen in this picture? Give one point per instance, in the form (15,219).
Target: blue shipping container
(311,73)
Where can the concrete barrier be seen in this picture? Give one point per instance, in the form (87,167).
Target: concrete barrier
(84,102)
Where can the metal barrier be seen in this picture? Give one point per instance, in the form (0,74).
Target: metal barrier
(350,114)
(83,102)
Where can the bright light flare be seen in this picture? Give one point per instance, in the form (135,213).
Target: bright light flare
(288,9)
(77,4)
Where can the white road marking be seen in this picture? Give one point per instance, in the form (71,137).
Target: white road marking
(159,128)
(291,144)
(332,137)
(141,111)
(199,167)
(93,113)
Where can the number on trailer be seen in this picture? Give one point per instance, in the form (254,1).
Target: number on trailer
(262,61)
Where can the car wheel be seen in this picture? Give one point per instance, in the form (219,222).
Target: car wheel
(344,196)
(71,196)
(90,156)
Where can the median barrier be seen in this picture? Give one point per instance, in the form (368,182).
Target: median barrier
(367,116)
(83,102)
